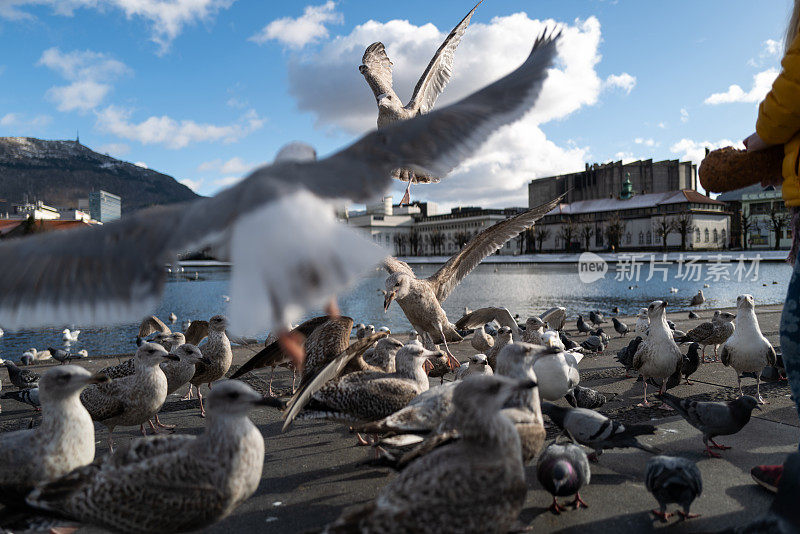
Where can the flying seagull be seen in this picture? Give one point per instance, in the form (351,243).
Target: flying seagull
(421,298)
(376,67)
(284,261)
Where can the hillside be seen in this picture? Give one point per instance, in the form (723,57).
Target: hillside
(60,172)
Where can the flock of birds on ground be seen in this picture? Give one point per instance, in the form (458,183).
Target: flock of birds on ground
(457,444)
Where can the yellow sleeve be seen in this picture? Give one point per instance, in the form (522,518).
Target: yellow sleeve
(779,113)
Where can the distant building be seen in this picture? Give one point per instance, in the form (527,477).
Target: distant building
(104,206)
(767,218)
(606,180)
(72,214)
(706,223)
(38,210)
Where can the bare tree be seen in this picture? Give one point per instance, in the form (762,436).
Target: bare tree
(567,233)
(778,220)
(461,239)
(748,223)
(663,228)
(530,241)
(400,241)
(586,232)
(684,225)
(414,242)
(614,230)
(437,242)
(542,234)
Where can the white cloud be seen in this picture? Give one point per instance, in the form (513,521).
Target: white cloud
(695,151)
(762,83)
(141,164)
(21,123)
(645,142)
(234,165)
(623,81)
(772,47)
(90,73)
(114,149)
(303,30)
(194,185)
(227,181)
(167,18)
(173,133)
(499,172)
(625,157)
(684,115)
(662,125)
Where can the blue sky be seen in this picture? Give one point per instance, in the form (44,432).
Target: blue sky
(204,90)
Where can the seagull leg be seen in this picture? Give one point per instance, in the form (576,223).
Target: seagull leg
(360,440)
(758,389)
(292,346)
(202,409)
(739,378)
(452,363)
(188,394)
(294,377)
(578,502)
(271,375)
(555,508)
(644,403)
(662,390)
(162,425)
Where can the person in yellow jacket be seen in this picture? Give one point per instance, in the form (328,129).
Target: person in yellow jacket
(779,124)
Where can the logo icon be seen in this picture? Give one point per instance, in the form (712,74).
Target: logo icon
(591,267)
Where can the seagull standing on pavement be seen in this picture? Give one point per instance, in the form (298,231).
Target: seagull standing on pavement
(657,355)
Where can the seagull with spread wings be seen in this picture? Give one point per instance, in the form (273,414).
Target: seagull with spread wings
(277,225)
(376,67)
(421,299)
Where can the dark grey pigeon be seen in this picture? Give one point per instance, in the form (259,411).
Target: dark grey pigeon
(670,324)
(714,418)
(566,340)
(615,309)
(22,378)
(581,397)
(673,480)
(691,361)
(620,327)
(60,355)
(596,318)
(605,338)
(625,355)
(563,470)
(27,396)
(583,328)
(693,315)
(593,344)
(597,431)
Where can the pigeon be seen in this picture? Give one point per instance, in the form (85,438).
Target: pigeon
(477,364)
(597,431)
(596,318)
(605,338)
(698,299)
(625,355)
(620,327)
(28,396)
(747,350)
(567,341)
(583,328)
(693,315)
(581,397)
(593,344)
(21,378)
(60,355)
(642,321)
(615,310)
(714,418)
(657,355)
(670,324)
(690,362)
(673,480)
(563,470)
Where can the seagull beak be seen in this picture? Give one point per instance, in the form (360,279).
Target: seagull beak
(172,357)
(98,378)
(205,360)
(387,299)
(428,367)
(527,384)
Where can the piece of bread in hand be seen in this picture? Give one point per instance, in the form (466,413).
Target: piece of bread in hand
(728,168)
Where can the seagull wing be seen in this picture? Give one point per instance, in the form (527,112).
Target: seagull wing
(481,316)
(440,69)
(115,272)
(329,372)
(377,69)
(152,324)
(482,245)
(393,265)
(197,331)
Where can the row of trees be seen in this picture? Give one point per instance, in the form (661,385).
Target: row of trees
(777,221)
